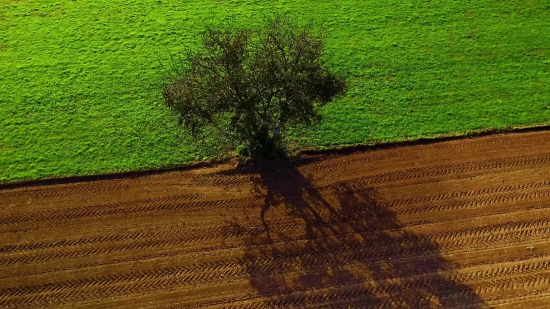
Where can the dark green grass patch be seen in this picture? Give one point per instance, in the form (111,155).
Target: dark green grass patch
(79,79)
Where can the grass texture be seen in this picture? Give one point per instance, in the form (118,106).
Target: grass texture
(79,91)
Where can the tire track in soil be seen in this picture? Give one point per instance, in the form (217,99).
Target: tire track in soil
(162,239)
(293,240)
(172,202)
(115,243)
(464,199)
(482,237)
(186,275)
(356,294)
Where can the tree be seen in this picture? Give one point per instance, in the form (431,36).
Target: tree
(252,85)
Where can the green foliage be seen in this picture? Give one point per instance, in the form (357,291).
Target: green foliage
(78,90)
(253,84)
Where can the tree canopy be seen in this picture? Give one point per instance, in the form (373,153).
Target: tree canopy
(252,84)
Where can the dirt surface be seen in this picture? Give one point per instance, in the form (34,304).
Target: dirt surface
(462,223)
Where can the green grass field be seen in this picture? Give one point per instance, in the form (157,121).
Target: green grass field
(78,79)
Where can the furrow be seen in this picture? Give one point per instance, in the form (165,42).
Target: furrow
(159,205)
(445,291)
(467,194)
(167,239)
(443,170)
(470,203)
(125,208)
(311,261)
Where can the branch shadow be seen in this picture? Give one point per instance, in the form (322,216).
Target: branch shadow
(336,246)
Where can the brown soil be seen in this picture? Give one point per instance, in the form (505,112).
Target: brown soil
(461,223)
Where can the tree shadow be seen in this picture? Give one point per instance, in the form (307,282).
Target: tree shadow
(336,246)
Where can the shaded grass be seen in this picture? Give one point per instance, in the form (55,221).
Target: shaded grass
(79,80)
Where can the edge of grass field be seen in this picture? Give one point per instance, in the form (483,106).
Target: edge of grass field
(341,149)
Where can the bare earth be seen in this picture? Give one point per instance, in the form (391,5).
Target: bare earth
(462,223)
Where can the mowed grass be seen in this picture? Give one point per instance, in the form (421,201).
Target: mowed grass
(79,79)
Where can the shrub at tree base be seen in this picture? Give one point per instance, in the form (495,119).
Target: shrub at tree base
(253,84)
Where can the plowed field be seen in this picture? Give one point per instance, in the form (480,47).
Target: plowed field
(460,223)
